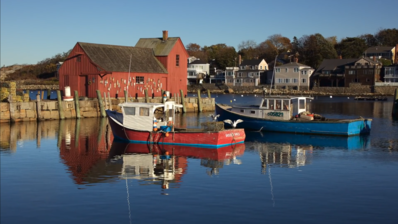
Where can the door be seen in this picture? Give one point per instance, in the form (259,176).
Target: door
(83,85)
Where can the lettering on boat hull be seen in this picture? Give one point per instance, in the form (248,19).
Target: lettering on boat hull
(275,114)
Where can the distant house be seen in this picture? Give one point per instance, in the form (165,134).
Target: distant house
(230,75)
(378,52)
(198,70)
(155,64)
(343,72)
(391,74)
(249,73)
(293,75)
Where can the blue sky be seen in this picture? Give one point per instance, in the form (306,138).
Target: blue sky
(33,30)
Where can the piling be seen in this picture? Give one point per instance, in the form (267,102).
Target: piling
(60,132)
(42,94)
(125,96)
(77,108)
(109,101)
(38,134)
(146,96)
(184,109)
(199,102)
(38,108)
(102,126)
(77,133)
(208,93)
(48,94)
(105,101)
(163,98)
(101,104)
(60,109)
(395,105)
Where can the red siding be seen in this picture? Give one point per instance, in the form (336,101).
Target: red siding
(177,74)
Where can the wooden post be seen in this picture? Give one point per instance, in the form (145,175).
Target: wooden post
(38,134)
(110,101)
(105,101)
(125,96)
(208,93)
(102,125)
(60,108)
(395,105)
(77,108)
(101,104)
(184,109)
(163,99)
(60,132)
(199,102)
(77,133)
(42,94)
(146,95)
(38,107)
(48,94)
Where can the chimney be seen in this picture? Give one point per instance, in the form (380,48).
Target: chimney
(296,59)
(374,58)
(240,60)
(165,35)
(340,56)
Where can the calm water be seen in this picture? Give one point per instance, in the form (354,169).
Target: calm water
(72,171)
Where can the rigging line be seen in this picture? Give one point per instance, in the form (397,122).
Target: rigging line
(273,75)
(272,189)
(128,200)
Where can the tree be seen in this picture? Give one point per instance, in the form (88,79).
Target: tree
(387,37)
(369,39)
(248,49)
(196,51)
(351,47)
(223,55)
(280,42)
(314,48)
(267,50)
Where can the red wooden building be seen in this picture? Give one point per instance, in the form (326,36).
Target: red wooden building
(154,64)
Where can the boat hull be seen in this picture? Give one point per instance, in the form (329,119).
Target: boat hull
(205,139)
(340,127)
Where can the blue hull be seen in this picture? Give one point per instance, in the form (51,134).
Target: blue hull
(342,127)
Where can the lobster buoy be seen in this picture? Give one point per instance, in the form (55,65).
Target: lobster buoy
(170,123)
(155,124)
(167,134)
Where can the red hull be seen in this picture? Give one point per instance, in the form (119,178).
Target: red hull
(196,139)
(222,153)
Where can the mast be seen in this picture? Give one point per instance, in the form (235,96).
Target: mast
(273,75)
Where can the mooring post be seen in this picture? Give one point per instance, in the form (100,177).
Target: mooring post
(125,96)
(77,133)
(184,109)
(102,125)
(38,107)
(105,101)
(77,108)
(199,102)
(208,93)
(110,101)
(395,105)
(146,95)
(163,98)
(60,108)
(101,104)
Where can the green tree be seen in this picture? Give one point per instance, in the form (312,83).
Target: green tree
(351,47)
(369,39)
(248,49)
(221,55)
(387,37)
(314,49)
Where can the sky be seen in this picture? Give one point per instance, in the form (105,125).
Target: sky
(33,30)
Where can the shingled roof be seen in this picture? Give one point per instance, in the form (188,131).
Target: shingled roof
(292,64)
(117,58)
(251,62)
(378,49)
(160,47)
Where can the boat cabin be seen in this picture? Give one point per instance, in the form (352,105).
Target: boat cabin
(275,108)
(143,116)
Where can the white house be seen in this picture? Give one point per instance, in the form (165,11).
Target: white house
(197,71)
(293,75)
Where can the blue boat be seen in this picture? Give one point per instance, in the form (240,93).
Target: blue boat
(289,114)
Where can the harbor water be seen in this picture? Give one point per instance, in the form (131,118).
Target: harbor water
(72,171)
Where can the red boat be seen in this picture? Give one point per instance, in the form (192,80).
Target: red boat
(153,123)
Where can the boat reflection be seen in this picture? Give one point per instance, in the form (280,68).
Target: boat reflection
(295,150)
(165,165)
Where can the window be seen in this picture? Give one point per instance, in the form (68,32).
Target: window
(302,104)
(303,80)
(296,70)
(285,104)
(287,80)
(265,104)
(278,70)
(242,111)
(280,80)
(286,69)
(129,110)
(271,104)
(253,112)
(79,58)
(261,67)
(144,111)
(177,60)
(351,72)
(304,72)
(295,80)
(327,72)
(278,104)
(139,79)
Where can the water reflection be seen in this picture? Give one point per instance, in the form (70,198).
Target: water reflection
(165,165)
(295,150)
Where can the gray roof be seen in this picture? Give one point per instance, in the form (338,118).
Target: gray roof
(251,62)
(160,47)
(292,64)
(378,49)
(332,64)
(198,62)
(117,58)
